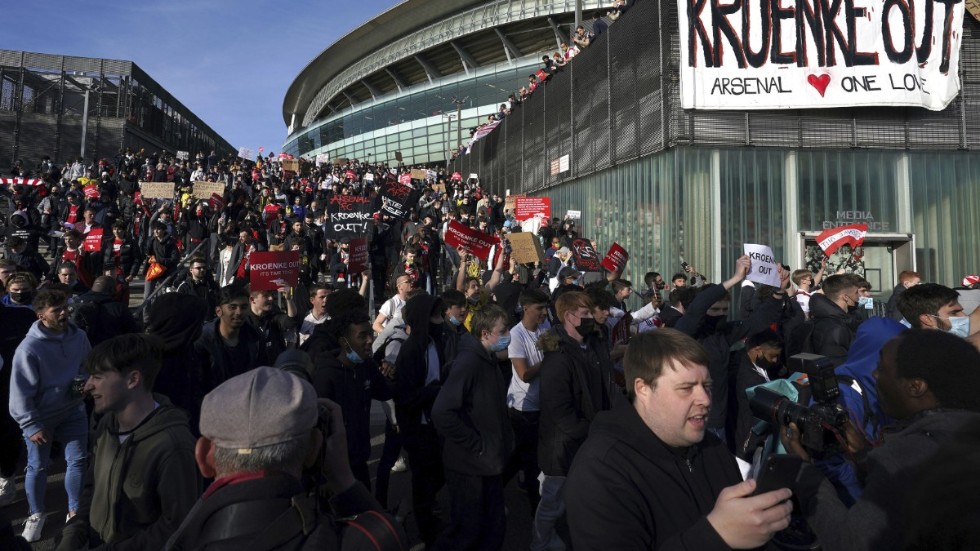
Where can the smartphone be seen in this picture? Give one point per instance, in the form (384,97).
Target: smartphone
(778,471)
(686,266)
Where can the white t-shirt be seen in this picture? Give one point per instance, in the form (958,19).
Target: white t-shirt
(392,309)
(803,298)
(520,395)
(308,325)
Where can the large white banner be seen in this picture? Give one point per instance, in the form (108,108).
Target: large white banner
(804,54)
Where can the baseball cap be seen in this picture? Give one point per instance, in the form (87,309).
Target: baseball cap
(567,272)
(261,407)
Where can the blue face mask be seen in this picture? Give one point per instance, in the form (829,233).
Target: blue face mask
(866,302)
(454,321)
(353,357)
(959,326)
(501,344)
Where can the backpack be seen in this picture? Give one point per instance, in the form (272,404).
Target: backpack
(379,354)
(800,339)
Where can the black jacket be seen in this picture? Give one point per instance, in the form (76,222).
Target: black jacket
(833,329)
(575,385)
(353,387)
(102,317)
(413,397)
(129,258)
(471,413)
(629,490)
(218,365)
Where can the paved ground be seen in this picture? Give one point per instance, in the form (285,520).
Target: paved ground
(518,520)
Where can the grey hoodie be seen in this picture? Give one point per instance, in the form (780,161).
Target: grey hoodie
(44,365)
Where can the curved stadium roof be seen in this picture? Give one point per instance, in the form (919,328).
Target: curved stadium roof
(420,41)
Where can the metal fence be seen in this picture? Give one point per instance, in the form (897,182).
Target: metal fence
(619,100)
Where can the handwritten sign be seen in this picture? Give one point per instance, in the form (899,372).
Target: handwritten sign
(585,255)
(532,207)
(798,54)
(246,153)
(763,269)
(397,199)
(204,190)
(269,271)
(510,202)
(348,216)
(290,165)
(475,241)
(526,248)
(359,260)
(419,174)
(616,259)
(157,190)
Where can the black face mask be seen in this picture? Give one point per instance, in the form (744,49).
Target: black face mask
(661,285)
(765,364)
(711,323)
(23,297)
(585,326)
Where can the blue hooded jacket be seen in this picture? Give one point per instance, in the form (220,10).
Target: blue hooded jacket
(862,359)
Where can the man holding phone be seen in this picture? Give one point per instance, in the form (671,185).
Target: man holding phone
(650,477)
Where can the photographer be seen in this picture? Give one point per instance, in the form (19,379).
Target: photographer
(926,379)
(259,431)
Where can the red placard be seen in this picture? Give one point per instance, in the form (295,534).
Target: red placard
(475,241)
(91,192)
(358,262)
(526,208)
(616,259)
(269,271)
(405,178)
(457,177)
(93,241)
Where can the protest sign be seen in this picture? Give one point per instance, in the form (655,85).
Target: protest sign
(93,241)
(369,177)
(419,174)
(91,191)
(457,177)
(525,248)
(322,159)
(157,190)
(616,259)
(510,202)
(269,271)
(183,155)
(763,269)
(751,55)
(834,238)
(531,207)
(405,178)
(439,187)
(291,165)
(397,199)
(574,215)
(348,216)
(358,261)
(246,153)
(475,241)
(204,190)
(585,255)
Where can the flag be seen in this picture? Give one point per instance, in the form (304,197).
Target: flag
(832,239)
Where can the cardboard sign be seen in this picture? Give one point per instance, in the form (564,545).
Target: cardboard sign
(397,199)
(348,216)
(291,165)
(510,202)
(439,187)
(616,259)
(419,174)
(269,271)
(359,260)
(530,207)
(157,190)
(204,190)
(525,248)
(93,241)
(748,56)
(585,255)
(476,242)
(763,269)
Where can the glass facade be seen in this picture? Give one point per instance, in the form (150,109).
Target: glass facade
(415,123)
(701,205)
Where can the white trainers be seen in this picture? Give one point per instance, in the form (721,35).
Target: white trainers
(8,489)
(33,527)
(400,465)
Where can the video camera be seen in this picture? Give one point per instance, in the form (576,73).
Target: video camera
(822,424)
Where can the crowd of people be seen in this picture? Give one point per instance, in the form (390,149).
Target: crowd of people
(211,415)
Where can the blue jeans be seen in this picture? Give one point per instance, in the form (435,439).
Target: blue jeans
(551,508)
(72,431)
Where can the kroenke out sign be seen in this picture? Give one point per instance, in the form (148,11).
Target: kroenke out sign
(775,54)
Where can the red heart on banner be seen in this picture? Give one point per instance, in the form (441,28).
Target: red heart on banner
(819,82)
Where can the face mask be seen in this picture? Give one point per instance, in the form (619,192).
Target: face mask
(959,326)
(764,364)
(454,321)
(866,302)
(353,357)
(585,326)
(23,297)
(710,323)
(501,344)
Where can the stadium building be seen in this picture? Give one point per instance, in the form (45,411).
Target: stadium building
(67,107)
(402,81)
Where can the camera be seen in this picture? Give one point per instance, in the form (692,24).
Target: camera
(822,424)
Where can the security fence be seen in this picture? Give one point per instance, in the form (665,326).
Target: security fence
(619,100)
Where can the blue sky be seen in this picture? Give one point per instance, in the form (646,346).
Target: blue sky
(228,61)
